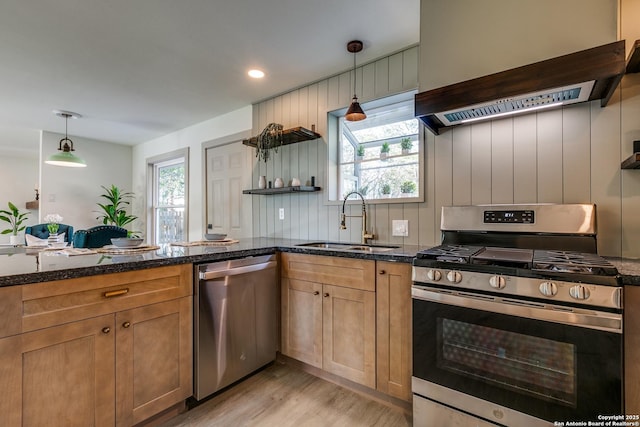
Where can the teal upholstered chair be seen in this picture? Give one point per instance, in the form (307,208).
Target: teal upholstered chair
(42,232)
(98,236)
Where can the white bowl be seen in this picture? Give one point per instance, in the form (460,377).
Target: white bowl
(127,242)
(214,236)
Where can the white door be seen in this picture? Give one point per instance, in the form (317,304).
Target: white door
(228,173)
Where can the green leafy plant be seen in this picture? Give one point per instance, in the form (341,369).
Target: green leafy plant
(15,218)
(385,148)
(406,143)
(360,150)
(385,189)
(114,212)
(269,139)
(408,187)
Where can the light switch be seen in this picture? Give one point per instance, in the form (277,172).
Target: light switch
(400,227)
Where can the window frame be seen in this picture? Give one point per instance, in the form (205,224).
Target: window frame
(334,173)
(153,164)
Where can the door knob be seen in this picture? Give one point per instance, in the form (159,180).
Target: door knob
(126,324)
(106,330)
(326,294)
(316,293)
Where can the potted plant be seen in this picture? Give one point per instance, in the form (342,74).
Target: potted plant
(114,212)
(385,190)
(53,225)
(360,152)
(384,151)
(406,145)
(408,187)
(270,138)
(15,218)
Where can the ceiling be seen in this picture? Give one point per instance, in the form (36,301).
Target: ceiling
(137,70)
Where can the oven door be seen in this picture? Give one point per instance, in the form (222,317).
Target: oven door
(546,362)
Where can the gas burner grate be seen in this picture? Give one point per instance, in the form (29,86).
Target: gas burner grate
(450,253)
(572,262)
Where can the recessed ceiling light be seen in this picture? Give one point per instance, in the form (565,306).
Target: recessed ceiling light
(256,74)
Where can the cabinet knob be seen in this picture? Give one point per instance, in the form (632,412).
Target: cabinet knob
(106,330)
(326,294)
(126,324)
(382,272)
(316,293)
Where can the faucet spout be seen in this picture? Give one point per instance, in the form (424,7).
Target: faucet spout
(365,234)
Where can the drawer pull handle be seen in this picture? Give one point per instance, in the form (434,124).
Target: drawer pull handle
(382,272)
(111,294)
(326,295)
(316,293)
(106,330)
(126,324)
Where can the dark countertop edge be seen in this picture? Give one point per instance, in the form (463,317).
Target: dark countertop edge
(70,273)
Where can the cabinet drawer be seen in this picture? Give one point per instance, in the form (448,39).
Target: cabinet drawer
(346,272)
(10,317)
(52,303)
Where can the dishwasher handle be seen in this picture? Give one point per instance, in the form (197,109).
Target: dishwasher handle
(234,271)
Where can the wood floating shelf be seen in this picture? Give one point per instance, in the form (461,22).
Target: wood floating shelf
(633,61)
(289,136)
(633,162)
(282,190)
(34,204)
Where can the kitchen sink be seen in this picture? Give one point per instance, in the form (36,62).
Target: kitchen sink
(349,246)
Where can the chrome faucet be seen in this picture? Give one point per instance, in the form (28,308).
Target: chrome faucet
(343,225)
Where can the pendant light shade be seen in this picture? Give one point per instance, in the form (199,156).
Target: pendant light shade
(354,113)
(65,157)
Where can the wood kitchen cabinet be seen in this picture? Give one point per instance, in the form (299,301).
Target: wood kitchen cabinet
(393,317)
(328,314)
(631,323)
(103,350)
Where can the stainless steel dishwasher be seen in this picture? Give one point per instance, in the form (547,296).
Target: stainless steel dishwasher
(235,323)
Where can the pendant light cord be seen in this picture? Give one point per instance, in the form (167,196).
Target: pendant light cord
(354,75)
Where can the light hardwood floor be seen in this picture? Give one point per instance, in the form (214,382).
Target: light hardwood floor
(281,395)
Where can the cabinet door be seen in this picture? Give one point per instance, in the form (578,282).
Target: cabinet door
(153,359)
(302,320)
(59,376)
(631,349)
(393,311)
(349,334)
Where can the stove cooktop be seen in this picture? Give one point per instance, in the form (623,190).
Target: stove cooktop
(567,265)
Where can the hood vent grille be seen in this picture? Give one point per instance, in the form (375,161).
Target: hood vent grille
(577,77)
(521,104)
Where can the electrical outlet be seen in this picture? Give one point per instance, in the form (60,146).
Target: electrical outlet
(400,227)
(281,213)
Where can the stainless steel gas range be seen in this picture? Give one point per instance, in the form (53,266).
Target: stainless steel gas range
(516,320)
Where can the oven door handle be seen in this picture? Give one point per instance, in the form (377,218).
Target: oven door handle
(584,318)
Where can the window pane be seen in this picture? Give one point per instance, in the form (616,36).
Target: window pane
(390,165)
(169,225)
(171,185)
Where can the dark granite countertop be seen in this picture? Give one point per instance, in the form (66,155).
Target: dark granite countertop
(23,265)
(629,270)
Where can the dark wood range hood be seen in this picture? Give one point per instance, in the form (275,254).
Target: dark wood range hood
(549,83)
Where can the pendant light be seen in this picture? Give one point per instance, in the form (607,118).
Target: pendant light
(354,113)
(66,157)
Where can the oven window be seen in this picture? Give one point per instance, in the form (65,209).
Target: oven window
(538,367)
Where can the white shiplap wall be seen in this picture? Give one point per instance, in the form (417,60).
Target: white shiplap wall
(571,155)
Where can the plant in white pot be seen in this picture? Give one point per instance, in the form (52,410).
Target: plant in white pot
(53,225)
(406,145)
(360,152)
(384,151)
(408,187)
(385,190)
(15,218)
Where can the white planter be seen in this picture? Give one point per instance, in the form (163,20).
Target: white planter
(16,240)
(383,156)
(406,150)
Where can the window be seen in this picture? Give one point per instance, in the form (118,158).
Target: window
(380,156)
(169,198)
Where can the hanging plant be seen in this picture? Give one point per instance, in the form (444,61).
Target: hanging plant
(269,139)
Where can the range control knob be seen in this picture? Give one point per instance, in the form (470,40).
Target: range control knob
(548,289)
(497,282)
(454,276)
(579,292)
(434,275)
